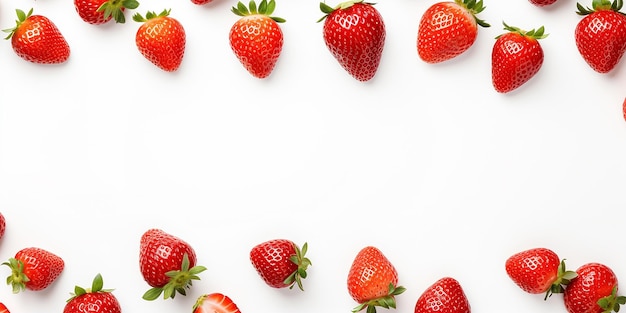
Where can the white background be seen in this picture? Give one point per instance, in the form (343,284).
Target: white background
(426,162)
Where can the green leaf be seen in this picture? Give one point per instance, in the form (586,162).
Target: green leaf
(152,293)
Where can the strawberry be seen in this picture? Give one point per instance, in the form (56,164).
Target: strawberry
(94,299)
(3,308)
(161,39)
(448,29)
(167,263)
(444,296)
(33,269)
(256,38)
(3,225)
(280,263)
(201,2)
(516,57)
(215,303)
(624,108)
(601,34)
(594,290)
(35,38)
(354,32)
(372,280)
(101,11)
(542,3)
(538,270)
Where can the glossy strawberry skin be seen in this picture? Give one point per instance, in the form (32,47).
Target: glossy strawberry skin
(624,109)
(3,308)
(161,40)
(272,261)
(93,302)
(215,303)
(38,40)
(3,225)
(161,252)
(355,36)
(88,11)
(445,295)
(601,39)
(515,59)
(370,275)
(542,3)
(34,269)
(594,281)
(533,270)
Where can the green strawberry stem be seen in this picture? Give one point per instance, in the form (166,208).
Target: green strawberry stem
(303,263)
(387,301)
(18,278)
(21,17)
(564,277)
(96,286)
(264,8)
(326,9)
(600,5)
(179,281)
(612,302)
(150,15)
(539,33)
(114,8)
(474,7)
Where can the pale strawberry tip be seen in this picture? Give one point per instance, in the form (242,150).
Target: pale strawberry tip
(388,301)
(180,281)
(303,263)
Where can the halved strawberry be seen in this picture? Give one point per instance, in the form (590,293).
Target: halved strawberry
(215,303)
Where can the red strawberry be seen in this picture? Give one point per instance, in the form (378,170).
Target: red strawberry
(280,263)
(594,290)
(448,29)
(516,57)
(94,299)
(372,280)
(3,308)
(215,303)
(35,38)
(161,39)
(101,11)
(33,269)
(167,263)
(3,225)
(201,2)
(624,108)
(354,32)
(256,38)
(601,34)
(538,270)
(542,3)
(444,296)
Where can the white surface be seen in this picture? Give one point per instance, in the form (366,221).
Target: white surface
(427,162)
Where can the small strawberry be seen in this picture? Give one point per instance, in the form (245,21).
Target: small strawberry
(516,57)
(3,308)
(448,29)
(201,2)
(280,263)
(167,263)
(33,269)
(624,108)
(161,39)
(372,281)
(215,303)
(601,34)
(354,32)
(95,299)
(594,290)
(3,225)
(101,11)
(36,39)
(542,3)
(256,38)
(538,270)
(444,296)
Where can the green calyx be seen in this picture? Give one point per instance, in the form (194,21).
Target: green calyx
(303,263)
(538,33)
(21,17)
(612,302)
(474,7)
(264,8)
(600,5)
(150,15)
(388,301)
(564,277)
(96,286)
(114,8)
(326,9)
(18,278)
(180,280)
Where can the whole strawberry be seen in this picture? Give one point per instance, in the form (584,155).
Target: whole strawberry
(201,2)
(256,38)
(538,270)
(601,34)
(35,38)
(101,11)
(34,269)
(94,299)
(594,290)
(354,33)
(280,263)
(444,296)
(516,57)
(448,29)
(167,263)
(542,3)
(624,108)
(373,281)
(3,225)
(161,39)
(214,303)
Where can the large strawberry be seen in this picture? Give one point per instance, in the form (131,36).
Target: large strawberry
(354,32)
(594,290)
(34,269)
(444,296)
(601,34)
(448,29)
(280,262)
(35,38)
(94,299)
(256,38)
(373,280)
(214,303)
(161,39)
(101,11)
(538,270)
(516,57)
(167,263)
